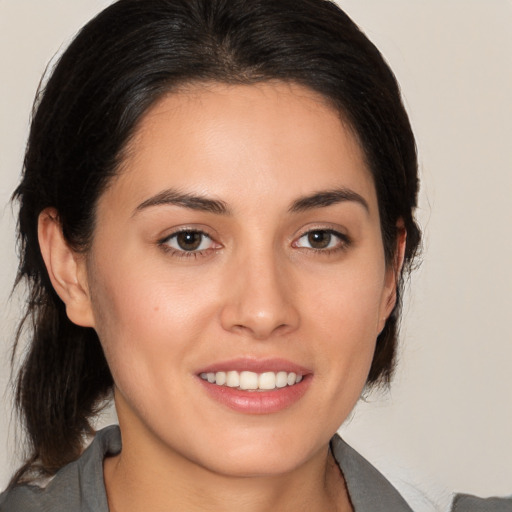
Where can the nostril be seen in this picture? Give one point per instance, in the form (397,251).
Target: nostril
(259,303)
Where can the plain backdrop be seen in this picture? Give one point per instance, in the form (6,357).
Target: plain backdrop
(446,424)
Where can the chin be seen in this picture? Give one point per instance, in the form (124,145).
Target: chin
(259,464)
(261,454)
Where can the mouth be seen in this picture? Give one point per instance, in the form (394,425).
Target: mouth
(252,386)
(252,381)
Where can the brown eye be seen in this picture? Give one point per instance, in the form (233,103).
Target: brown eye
(322,239)
(189,241)
(319,239)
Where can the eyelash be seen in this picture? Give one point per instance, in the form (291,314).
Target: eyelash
(343,243)
(183,253)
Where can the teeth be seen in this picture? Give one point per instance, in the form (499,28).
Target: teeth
(281,379)
(290,379)
(248,380)
(252,381)
(267,380)
(232,379)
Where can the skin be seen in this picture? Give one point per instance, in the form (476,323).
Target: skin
(257,289)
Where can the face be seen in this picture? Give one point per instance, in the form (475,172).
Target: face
(239,247)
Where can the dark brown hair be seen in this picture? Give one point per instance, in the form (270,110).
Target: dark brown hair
(118,65)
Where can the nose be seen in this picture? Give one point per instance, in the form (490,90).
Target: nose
(260,299)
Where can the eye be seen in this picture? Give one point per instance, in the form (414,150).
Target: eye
(189,241)
(322,239)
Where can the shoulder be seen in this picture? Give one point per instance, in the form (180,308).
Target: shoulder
(369,490)
(467,503)
(77,487)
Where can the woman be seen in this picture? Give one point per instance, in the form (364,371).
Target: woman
(216,213)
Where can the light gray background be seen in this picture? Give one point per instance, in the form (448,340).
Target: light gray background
(447,422)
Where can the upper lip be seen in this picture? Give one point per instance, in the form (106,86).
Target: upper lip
(256,366)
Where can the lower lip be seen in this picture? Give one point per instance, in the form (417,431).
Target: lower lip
(257,402)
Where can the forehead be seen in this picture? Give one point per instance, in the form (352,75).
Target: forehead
(241,142)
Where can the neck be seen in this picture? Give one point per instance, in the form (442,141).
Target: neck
(152,478)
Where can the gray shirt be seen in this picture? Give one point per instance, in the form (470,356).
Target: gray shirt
(467,503)
(79,486)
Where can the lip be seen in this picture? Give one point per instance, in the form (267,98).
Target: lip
(257,402)
(256,366)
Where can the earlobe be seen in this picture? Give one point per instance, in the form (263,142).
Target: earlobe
(66,269)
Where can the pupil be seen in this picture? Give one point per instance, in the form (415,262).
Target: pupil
(189,240)
(319,239)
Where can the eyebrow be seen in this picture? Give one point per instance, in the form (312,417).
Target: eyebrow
(326,198)
(321,199)
(185,200)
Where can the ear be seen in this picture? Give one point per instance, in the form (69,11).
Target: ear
(393,274)
(66,268)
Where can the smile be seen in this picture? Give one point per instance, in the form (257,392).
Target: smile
(251,381)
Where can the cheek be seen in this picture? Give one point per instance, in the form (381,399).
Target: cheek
(344,315)
(147,319)
(349,301)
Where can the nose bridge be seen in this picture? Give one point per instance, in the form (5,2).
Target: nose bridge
(261,298)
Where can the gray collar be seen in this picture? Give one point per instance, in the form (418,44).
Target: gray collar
(80,487)
(369,491)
